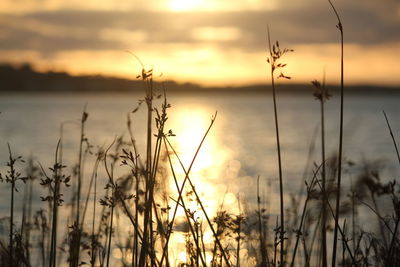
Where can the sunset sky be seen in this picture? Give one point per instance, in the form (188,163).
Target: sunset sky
(211,42)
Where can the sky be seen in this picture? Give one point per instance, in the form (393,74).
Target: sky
(210,42)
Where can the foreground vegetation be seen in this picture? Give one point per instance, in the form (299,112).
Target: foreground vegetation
(84,219)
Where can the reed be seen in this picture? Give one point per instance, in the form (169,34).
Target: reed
(339,26)
(275,54)
(12,177)
(322,95)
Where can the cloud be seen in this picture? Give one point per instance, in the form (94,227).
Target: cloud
(31,6)
(216,34)
(369,23)
(123,36)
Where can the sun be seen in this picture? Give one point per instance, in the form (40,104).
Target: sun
(184,5)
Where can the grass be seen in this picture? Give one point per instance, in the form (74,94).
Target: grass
(340,153)
(275,54)
(135,215)
(322,96)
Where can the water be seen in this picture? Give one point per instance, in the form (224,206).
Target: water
(240,147)
(244,128)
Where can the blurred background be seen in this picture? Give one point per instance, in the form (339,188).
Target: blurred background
(207,42)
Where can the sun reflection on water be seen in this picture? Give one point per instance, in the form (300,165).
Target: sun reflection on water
(211,173)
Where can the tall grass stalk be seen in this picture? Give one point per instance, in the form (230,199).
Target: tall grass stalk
(53,246)
(217,239)
(11,234)
(278,146)
(275,54)
(160,119)
(340,230)
(92,183)
(324,195)
(77,230)
(263,250)
(322,95)
(54,199)
(137,165)
(180,190)
(339,177)
(93,237)
(299,232)
(147,77)
(180,199)
(389,259)
(392,136)
(110,201)
(12,177)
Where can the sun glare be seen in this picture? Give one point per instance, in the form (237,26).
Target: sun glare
(190,124)
(184,5)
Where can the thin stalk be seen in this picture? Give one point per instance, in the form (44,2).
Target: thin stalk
(43,237)
(344,243)
(381,226)
(209,222)
(201,204)
(150,185)
(93,251)
(53,246)
(304,175)
(324,195)
(239,220)
(135,173)
(303,215)
(110,174)
(389,259)
(76,253)
(148,233)
(337,214)
(26,218)
(110,231)
(202,241)
(392,136)
(125,207)
(275,242)
(135,250)
(184,181)
(305,251)
(12,172)
(278,146)
(153,174)
(314,236)
(94,177)
(353,215)
(12,177)
(165,249)
(382,219)
(263,251)
(340,229)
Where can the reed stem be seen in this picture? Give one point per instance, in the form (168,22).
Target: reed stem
(278,147)
(337,211)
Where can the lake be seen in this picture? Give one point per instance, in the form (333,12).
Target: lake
(239,148)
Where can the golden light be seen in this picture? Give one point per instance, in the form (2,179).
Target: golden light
(184,5)
(190,124)
(182,257)
(216,34)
